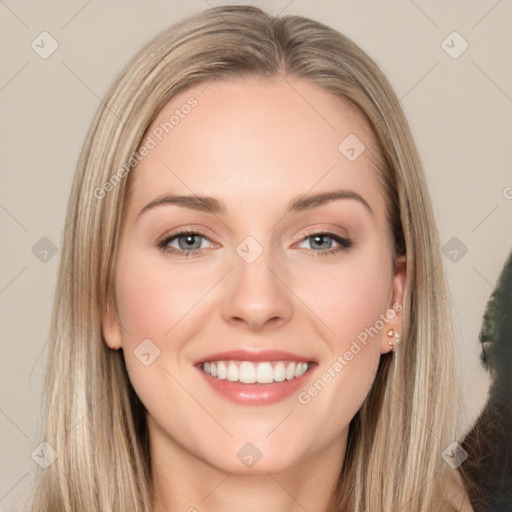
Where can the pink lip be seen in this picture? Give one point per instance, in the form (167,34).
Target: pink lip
(255,356)
(256,394)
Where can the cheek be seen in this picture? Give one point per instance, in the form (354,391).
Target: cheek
(163,304)
(351,297)
(153,298)
(352,302)
(352,306)
(155,303)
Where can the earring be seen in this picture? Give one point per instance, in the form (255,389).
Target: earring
(392,333)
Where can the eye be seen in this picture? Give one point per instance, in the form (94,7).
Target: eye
(324,241)
(189,243)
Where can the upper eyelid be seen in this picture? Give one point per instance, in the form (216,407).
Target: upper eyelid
(184,232)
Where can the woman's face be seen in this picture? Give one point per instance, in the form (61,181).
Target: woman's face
(268,281)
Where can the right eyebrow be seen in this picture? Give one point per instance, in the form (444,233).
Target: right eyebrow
(201,203)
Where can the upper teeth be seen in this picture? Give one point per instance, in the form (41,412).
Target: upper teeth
(248,372)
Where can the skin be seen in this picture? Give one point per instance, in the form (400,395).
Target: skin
(255,145)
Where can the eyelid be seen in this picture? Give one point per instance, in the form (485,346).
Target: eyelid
(184,230)
(318,228)
(345,243)
(327,229)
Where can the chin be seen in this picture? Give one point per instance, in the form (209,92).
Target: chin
(266,464)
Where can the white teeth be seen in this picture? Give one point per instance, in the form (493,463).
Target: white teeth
(248,372)
(232,371)
(265,373)
(300,369)
(290,371)
(222,371)
(279,372)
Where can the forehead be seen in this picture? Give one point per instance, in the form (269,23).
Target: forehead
(261,140)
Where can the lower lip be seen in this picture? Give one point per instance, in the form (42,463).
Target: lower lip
(257,394)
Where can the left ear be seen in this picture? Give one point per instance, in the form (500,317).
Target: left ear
(110,326)
(396,304)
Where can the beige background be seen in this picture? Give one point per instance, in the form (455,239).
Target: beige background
(459,109)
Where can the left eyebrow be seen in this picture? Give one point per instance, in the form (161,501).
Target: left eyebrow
(306,202)
(211,205)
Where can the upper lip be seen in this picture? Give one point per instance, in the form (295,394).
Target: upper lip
(254,355)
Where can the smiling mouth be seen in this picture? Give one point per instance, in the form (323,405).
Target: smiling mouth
(247,372)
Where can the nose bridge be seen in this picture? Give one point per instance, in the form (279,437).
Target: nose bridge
(256,294)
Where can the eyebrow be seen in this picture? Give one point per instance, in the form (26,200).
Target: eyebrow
(211,205)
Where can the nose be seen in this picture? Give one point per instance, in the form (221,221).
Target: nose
(257,296)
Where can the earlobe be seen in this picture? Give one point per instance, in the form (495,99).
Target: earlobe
(110,327)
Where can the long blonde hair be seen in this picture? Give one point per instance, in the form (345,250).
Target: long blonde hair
(92,416)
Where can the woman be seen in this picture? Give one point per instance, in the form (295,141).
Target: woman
(251,311)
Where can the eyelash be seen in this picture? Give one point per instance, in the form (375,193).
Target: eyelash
(344,243)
